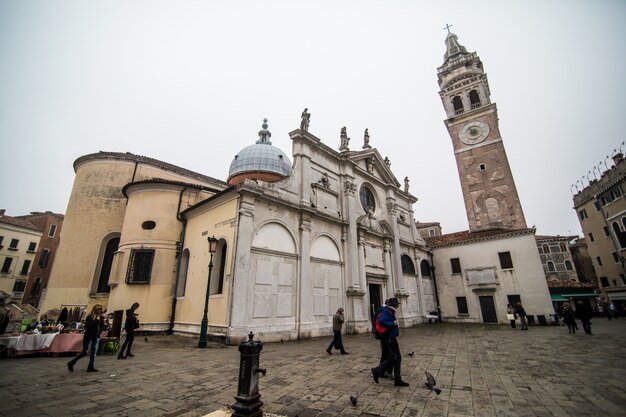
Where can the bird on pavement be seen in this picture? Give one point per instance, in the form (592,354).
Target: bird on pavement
(430,383)
(353,400)
(411,354)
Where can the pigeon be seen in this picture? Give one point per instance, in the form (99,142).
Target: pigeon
(411,354)
(430,383)
(145,339)
(353,400)
(282,341)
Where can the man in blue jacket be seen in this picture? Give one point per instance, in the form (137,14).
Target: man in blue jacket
(389,338)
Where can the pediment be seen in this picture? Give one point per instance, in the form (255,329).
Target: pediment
(370,163)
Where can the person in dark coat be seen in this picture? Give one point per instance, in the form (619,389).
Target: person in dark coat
(131,323)
(584,313)
(337,341)
(522,315)
(388,320)
(94,323)
(568,318)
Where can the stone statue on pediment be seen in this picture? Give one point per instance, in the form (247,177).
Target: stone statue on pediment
(406,184)
(304,123)
(345,140)
(366,140)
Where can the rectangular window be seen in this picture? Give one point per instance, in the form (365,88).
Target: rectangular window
(25,267)
(599,260)
(606,231)
(53,228)
(1,239)
(505,260)
(604,281)
(583,214)
(14,243)
(598,206)
(6,265)
(32,246)
(514,299)
(431,232)
(456,265)
(461,304)
(591,239)
(615,257)
(140,266)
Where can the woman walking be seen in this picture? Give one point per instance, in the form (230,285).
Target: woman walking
(94,323)
(522,315)
(511,315)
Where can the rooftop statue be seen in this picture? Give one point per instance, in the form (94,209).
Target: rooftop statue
(304,123)
(345,140)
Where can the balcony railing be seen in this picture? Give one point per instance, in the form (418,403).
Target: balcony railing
(460,111)
(17,295)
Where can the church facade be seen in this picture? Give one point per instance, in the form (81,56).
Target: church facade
(295,241)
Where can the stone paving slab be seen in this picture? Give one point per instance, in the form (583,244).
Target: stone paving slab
(482,370)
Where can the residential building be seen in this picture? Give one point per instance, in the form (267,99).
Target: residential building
(601,210)
(428,229)
(19,240)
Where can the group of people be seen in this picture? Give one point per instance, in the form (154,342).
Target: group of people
(583,312)
(94,324)
(514,312)
(387,331)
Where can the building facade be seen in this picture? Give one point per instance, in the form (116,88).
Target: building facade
(601,210)
(19,240)
(295,241)
(495,262)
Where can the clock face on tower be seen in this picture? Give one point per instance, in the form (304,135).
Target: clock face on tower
(474,132)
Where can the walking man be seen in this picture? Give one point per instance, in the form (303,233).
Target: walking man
(337,342)
(389,337)
(132,322)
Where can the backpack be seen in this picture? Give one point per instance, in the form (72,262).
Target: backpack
(380,329)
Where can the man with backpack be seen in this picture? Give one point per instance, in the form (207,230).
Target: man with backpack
(388,330)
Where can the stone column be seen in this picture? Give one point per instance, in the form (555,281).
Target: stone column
(305,287)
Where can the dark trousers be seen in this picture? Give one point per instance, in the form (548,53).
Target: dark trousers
(384,354)
(393,359)
(586,325)
(87,344)
(128,343)
(337,342)
(512,323)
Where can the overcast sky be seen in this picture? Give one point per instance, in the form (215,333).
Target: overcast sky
(189,82)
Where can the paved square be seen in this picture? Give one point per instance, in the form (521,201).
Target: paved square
(483,370)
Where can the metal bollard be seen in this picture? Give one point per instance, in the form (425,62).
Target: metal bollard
(248,398)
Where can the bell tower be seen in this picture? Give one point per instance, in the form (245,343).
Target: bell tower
(491,200)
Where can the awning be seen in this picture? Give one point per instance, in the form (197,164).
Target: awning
(557,297)
(580,295)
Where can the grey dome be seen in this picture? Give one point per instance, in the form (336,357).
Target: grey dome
(261,157)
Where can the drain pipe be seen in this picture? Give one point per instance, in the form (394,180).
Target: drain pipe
(179,251)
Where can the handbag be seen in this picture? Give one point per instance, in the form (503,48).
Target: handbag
(510,316)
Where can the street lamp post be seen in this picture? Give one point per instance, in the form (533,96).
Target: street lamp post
(205,318)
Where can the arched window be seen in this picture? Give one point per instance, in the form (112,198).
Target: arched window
(568,265)
(562,246)
(34,290)
(546,248)
(457,103)
(219,268)
(107,262)
(425,268)
(474,99)
(551,266)
(407,265)
(182,274)
(19,286)
(368,202)
(621,237)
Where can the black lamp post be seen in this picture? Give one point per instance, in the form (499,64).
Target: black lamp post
(205,318)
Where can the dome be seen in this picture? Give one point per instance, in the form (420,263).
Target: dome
(260,161)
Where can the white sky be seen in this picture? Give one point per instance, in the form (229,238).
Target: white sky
(189,82)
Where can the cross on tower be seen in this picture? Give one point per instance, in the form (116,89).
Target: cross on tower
(447,27)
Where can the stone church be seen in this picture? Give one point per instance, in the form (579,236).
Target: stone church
(298,239)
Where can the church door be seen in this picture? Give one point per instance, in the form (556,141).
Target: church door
(375,302)
(488,308)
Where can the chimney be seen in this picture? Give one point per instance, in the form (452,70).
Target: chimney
(617,158)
